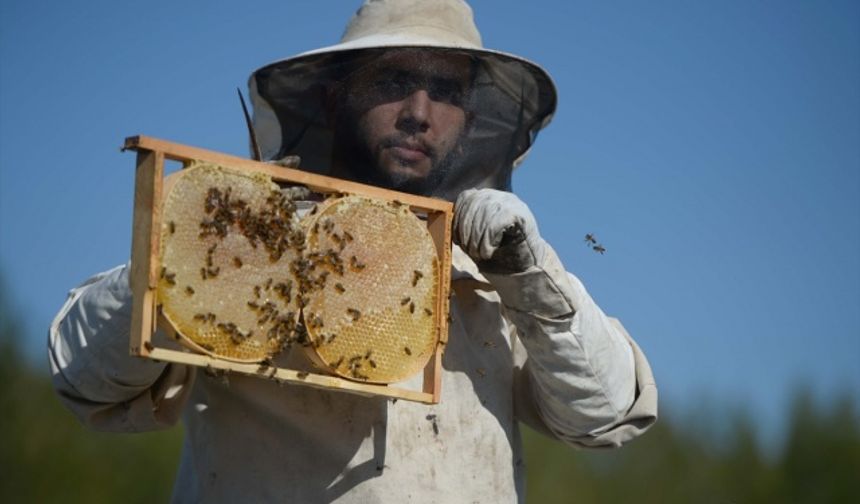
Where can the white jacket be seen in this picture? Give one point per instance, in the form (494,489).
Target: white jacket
(552,360)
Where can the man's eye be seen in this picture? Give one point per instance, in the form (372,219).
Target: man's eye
(447,92)
(391,87)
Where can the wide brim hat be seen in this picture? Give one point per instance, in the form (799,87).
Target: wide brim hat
(514,97)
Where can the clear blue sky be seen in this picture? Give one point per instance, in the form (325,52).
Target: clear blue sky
(713,147)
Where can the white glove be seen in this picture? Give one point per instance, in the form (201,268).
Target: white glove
(498,231)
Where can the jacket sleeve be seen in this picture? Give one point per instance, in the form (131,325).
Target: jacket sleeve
(92,370)
(579,375)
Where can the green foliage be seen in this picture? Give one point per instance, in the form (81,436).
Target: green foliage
(820,463)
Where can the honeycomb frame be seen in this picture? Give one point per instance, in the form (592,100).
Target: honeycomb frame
(145,270)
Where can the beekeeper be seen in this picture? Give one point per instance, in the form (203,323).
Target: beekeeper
(408,100)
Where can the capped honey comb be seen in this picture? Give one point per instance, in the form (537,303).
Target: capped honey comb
(244,277)
(227,240)
(373,319)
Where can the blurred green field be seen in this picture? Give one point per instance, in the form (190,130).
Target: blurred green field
(46,456)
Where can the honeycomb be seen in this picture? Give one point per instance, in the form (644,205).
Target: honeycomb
(373,319)
(227,240)
(243,277)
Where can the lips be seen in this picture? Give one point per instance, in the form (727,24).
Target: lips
(410,151)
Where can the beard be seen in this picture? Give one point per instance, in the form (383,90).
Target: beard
(363,163)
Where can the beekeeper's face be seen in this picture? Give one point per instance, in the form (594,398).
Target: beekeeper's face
(407,115)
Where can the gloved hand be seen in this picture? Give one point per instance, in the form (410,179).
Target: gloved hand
(498,231)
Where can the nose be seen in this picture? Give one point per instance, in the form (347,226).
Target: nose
(414,114)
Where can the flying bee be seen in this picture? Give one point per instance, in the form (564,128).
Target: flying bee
(355,314)
(599,249)
(590,239)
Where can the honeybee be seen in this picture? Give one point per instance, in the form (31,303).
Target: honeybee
(416,275)
(356,264)
(189,290)
(589,239)
(599,249)
(355,314)
(339,287)
(432,419)
(407,350)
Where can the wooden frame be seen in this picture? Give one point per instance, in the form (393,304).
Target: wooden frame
(148,198)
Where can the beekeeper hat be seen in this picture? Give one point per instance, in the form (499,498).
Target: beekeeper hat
(513,98)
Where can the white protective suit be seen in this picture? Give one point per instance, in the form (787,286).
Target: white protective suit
(254,441)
